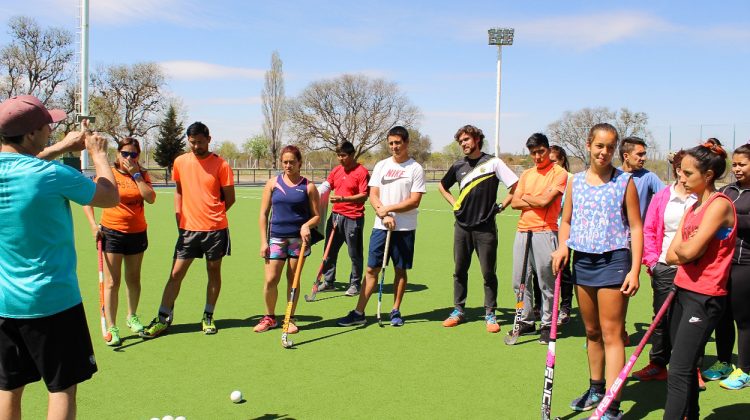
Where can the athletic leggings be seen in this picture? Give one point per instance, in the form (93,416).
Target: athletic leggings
(738,310)
(694,316)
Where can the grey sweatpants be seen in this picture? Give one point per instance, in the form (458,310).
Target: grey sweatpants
(540,262)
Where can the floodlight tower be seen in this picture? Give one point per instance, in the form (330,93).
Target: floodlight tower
(499,37)
(84,76)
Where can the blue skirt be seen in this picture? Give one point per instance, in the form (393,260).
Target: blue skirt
(601,270)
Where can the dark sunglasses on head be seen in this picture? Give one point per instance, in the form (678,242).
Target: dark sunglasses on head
(129,154)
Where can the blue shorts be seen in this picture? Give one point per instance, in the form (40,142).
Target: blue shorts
(283,248)
(601,270)
(401,252)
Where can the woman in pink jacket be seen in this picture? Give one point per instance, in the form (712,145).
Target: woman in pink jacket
(662,219)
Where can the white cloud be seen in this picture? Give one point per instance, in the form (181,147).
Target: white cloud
(200,70)
(593,30)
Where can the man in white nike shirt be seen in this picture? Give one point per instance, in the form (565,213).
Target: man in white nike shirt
(396,188)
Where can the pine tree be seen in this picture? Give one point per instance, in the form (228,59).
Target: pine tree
(171,140)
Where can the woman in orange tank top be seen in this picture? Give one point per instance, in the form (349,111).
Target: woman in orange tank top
(122,230)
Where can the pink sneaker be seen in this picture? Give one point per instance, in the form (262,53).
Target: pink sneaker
(266,324)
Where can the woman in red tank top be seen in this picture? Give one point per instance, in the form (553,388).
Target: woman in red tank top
(703,249)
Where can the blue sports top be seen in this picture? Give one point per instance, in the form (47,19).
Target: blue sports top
(290,208)
(597,224)
(37,250)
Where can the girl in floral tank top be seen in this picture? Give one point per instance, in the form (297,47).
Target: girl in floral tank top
(597,219)
(703,249)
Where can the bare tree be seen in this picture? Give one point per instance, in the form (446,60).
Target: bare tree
(274,107)
(571,130)
(36,62)
(350,108)
(133,94)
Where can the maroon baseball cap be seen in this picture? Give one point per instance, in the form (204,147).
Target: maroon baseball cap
(25,113)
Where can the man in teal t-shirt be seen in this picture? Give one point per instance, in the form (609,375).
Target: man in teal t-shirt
(43,331)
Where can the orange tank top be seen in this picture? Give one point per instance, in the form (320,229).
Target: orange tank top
(128,216)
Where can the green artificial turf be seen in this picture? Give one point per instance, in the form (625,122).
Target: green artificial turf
(421,370)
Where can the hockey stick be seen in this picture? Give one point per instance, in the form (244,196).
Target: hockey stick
(317,282)
(290,305)
(623,376)
(512,338)
(382,273)
(105,333)
(549,371)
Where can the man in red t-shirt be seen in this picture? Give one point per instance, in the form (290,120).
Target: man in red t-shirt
(349,184)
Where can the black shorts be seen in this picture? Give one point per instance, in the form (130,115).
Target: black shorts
(56,348)
(116,242)
(214,244)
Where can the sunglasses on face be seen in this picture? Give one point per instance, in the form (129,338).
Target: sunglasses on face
(126,155)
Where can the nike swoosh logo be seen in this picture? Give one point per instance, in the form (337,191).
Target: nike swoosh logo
(388,181)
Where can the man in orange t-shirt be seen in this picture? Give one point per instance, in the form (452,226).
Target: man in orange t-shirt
(204,193)
(538,196)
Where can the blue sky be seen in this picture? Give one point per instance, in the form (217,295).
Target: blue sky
(685,63)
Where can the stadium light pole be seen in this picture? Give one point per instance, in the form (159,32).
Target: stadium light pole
(499,37)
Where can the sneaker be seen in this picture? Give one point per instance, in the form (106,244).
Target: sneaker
(587,401)
(114,337)
(208,325)
(292,327)
(353,290)
(265,324)
(652,372)
(701,384)
(718,370)
(736,380)
(524,329)
(134,323)
(490,321)
(544,335)
(564,316)
(456,317)
(155,328)
(396,319)
(352,318)
(326,287)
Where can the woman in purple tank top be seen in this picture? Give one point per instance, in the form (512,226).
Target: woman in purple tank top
(292,204)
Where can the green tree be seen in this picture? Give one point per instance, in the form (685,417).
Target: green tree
(171,140)
(257,148)
(420,146)
(229,151)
